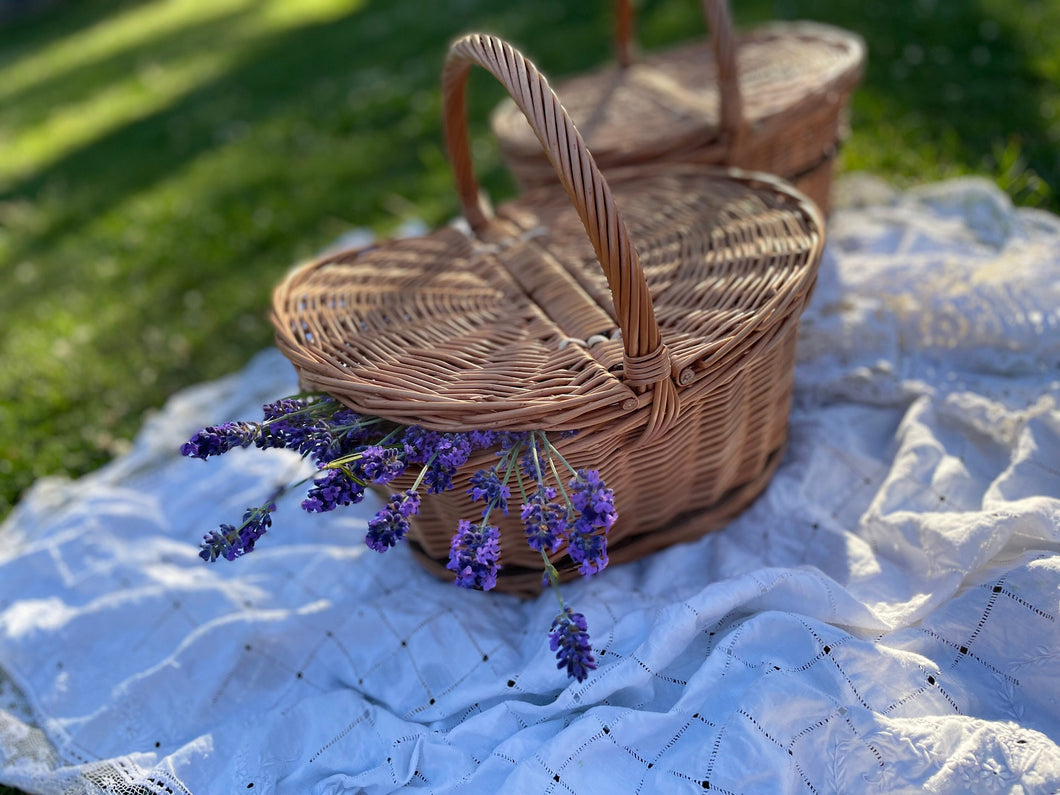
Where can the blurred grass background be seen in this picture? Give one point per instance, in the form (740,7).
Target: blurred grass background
(163,163)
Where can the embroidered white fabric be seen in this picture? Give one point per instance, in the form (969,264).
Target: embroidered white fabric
(883,618)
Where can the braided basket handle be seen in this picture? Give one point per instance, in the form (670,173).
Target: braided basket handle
(647,361)
(723,43)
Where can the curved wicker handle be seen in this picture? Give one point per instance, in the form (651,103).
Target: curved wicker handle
(647,360)
(723,42)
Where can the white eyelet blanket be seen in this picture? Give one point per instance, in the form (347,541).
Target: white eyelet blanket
(883,619)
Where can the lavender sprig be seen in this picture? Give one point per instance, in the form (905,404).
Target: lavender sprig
(545,523)
(352,451)
(334,488)
(543,520)
(294,424)
(381,464)
(391,524)
(474,554)
(569,638)
(595,504)
(218,439)
(233,542)
(487,485)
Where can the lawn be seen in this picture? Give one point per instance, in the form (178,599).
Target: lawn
(163,163)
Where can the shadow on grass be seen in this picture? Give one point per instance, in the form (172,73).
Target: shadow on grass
(81,79)
(43,27)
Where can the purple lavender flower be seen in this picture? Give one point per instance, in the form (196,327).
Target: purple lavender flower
(370,449)
(453,450)
(509,439)
(392,523)
(569,638)
(297,425)
(422,446)
(482,440)
(218,439)
(350,428)
(533,457)
(381,464)
(309,438)
(331,490)
(286,407)
(230,542)
(347,431)
(594,501)
(596,506)
(474,555)
(438,478)
(221,543)
(419,444)
(589,551)
(486,486)
(345,418)
(446,452)
(544,520)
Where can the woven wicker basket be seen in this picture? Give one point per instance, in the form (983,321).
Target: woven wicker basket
(543,318)
(773,99)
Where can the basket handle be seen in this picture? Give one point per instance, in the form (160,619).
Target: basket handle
(723,43)
(646,361)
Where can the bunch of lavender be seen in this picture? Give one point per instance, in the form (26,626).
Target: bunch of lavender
(351,451)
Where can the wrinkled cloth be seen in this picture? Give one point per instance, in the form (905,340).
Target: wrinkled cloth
(882,619)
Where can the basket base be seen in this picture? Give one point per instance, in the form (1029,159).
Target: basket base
(527,583)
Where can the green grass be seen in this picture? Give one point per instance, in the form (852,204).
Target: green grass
(163,163)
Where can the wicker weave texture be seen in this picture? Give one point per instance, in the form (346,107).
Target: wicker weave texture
(543,318)
(772,99)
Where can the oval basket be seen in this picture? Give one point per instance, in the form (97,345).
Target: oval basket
(654,314)
(773,99)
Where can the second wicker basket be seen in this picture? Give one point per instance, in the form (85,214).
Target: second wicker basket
(772,99)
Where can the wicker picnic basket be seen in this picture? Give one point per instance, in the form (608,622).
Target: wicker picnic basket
(773,99)
(542,318)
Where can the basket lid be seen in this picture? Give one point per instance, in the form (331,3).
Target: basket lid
(542,316)
(687,99)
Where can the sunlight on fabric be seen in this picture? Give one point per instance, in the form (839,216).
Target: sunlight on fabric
(36,615)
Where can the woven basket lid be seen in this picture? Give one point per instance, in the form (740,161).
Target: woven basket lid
(704,97)
(542,316)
